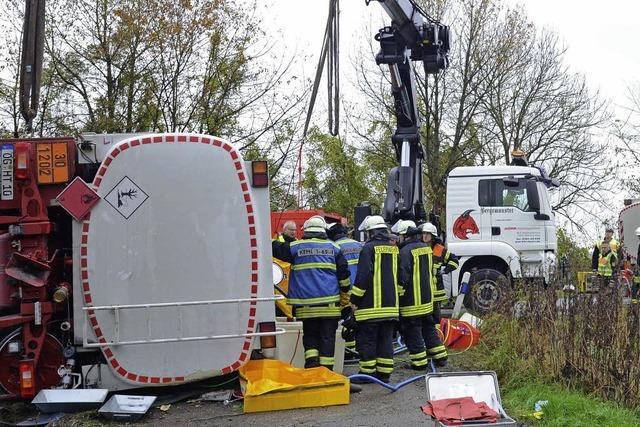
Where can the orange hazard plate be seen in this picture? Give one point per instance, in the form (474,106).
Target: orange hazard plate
(52,162)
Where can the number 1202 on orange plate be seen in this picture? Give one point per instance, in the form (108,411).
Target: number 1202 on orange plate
(52,162)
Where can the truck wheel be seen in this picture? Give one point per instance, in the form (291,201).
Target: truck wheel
(486,289)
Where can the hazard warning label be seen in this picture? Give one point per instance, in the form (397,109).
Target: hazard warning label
(126,197)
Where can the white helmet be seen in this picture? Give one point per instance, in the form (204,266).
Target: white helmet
(402,226)
(638,231)
(315,224)
(427,227)
(372,222)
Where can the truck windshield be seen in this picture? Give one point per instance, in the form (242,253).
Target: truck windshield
(494,192)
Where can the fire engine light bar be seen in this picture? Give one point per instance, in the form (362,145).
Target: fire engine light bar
(267,341)
(259,174)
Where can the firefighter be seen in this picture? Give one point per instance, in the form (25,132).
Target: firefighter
(374,298)
(288,232)
(415,277)
(318,286)
(614,246)
(442,260)
(606,264)
(351,251)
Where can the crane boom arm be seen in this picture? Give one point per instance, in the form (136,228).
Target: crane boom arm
(412,36)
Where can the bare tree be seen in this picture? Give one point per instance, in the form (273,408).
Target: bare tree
(532,101)
(627,131)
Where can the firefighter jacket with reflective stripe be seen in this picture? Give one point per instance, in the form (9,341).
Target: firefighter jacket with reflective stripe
(375,291)
(442,257)
(416,279)
(606,264)
(351,251)
(319,273)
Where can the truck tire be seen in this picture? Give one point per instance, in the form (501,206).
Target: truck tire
(487,287)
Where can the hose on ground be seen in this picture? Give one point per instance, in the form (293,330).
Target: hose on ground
(393,388)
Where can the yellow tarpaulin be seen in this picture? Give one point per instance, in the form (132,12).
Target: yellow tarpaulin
(285,308)
(270,385)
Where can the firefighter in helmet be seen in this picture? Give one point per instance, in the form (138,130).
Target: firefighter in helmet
(318,288)
(416,279)
(374,298)
(351,251)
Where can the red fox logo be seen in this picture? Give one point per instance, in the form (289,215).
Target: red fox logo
(464,225)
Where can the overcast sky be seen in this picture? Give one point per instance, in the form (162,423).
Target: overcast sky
(601,37)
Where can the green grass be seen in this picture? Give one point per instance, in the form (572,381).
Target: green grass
(565,409)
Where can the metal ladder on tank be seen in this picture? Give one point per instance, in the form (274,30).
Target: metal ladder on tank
(117,309)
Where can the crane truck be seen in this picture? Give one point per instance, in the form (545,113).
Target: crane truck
(499,218)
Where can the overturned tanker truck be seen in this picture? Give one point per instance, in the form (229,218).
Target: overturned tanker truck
(118,270)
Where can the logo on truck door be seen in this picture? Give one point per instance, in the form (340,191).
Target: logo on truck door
(465,225)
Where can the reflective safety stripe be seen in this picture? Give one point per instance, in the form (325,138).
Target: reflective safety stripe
(376,313)
(438,352)
(304,266)
(417,293)
(312,352)
(419,359)
(384,365)
(418,356)
(345,283)
(394,264)
(416,310)
(420,363)
(367,366)
(350,344)
(357,291)
(313,301)
(327,361)
(377,281)
(298,242)
(401,290)
(318,312)
(352,262)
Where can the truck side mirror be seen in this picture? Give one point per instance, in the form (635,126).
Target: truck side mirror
(510,181)
(534,200)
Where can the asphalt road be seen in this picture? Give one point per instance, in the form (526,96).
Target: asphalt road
(373,406)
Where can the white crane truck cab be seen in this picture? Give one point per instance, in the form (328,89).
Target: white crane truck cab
(501,226)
